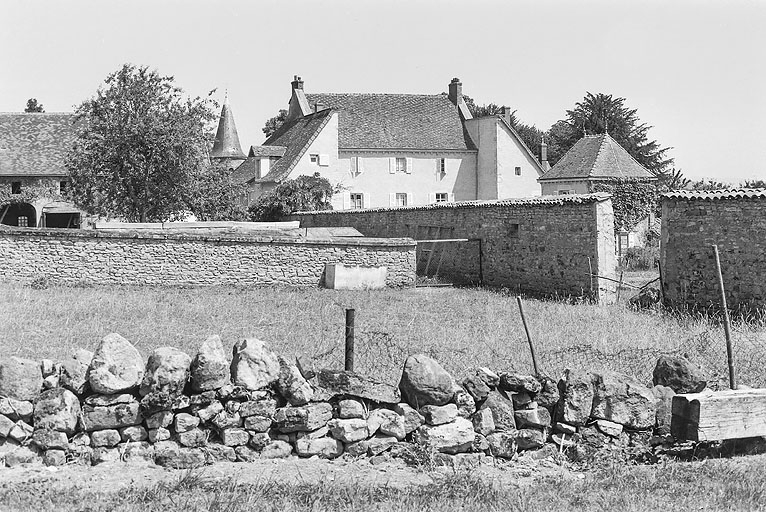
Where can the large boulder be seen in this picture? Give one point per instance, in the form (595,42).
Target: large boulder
(254,366)
(210,368)
(502,411)
(624,400)
(425,382)
(57,409)
(291,384)
(328,384)
(679,374)
(20,379)
(576,388)
(167,371)
(116,366)
(455,437)
(74,372)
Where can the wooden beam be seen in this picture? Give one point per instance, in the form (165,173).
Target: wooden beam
(715,416)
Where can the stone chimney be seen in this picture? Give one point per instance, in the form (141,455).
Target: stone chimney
(456,91)
(505,113)
(299,105)
(297,83)
(544,154)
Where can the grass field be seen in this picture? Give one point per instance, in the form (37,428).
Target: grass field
(460,327)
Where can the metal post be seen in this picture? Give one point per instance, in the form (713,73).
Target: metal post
(529,338)
(349,340)
(726,321)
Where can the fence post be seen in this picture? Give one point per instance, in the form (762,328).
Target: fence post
(349,362)
(529,338)
(619,286)
(726,321)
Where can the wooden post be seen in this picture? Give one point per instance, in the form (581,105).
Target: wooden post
(619,286)
(481,265)
(590,272)
(529,338)
(349,366)
(726,321)
(662,284)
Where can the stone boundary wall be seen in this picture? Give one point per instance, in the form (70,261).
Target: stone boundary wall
(180,412)
(691,223)
(539,245)
(159,258)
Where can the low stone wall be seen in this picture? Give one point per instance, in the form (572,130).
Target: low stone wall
(691,223)
(181,411)
(542,245)
(159,258)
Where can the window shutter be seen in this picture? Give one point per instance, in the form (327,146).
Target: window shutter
(346,200)
(438,170)
(409,166)
(324,160)
(365,200)
(359,166)
(354,165)
(451,197)
(409,199)
(432,197)
(392,165)
(392,199)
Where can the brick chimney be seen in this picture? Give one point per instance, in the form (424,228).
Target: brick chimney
(456,91)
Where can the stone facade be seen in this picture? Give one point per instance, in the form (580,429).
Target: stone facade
(138,258)
(691,223)
(537,245)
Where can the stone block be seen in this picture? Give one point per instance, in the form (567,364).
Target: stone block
(324,447)
(439,414)
(50,439)
(171,454)
(259,441)
(534,418)
(133,434)
(425,382)
(455,437)
(116,366)
(113,416)
(577,390)
(351,408)
(502,444)
(624,400)
(105,438)
(137,451)
(679,374)
(254,366)
(483,422)
(234,436)
(211,411)
(519,383)
(329,384)
(155,435)
(20,379)
(530,438)
(54,457)
(291,384)
(348,430)
(74,372)
(193,438)
(379,443)
(502,411)
(266,408)
(210,368)
(276,450)
(57,409)
(16,409)
(167,371)
(160,419)
(412,418)
(304,418)
(21,431)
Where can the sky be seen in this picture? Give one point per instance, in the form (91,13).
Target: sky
(695,71)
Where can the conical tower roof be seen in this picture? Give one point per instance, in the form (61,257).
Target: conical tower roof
(226,143)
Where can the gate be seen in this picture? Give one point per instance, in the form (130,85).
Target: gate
(445,260)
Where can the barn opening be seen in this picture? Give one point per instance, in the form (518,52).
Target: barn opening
(18,214)
(61,215)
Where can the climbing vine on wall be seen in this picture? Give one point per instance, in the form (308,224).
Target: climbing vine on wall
(632,200)
(30,192)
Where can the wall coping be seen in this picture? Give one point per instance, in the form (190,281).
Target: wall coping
(596,197)
(712,195)
(226,238)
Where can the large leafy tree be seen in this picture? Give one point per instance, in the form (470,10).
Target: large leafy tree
(33,106)
(303,194)
(601,113)
(142,151)
(274,123)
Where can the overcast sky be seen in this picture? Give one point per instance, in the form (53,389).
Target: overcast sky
(696,71)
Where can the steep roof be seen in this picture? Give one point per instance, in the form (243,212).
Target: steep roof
(35,144)
(597,157)
(226,143)
(396,121)
(295,136)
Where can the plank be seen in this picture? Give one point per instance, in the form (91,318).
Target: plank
(716,416)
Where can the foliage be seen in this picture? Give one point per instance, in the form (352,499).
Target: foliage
(303,194)
(33,106)
(708,184)
(273,124)
(529,134)
(753,184)
(215,196)
(142,149)
(602,113)
(671,179)
(632,200)
(642,258)
(30,192)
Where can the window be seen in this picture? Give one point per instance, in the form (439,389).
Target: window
(441,168)
(356,166)
(401,198)
(63,186)
(401,165)
(23,222)
(442,197)
(517,170)
(357,200)
(16,187)
(314,159)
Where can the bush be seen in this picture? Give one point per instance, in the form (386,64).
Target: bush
(641,258)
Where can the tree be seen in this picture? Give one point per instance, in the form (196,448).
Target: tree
(141,153)
(529,134)
(273,124)
(215,196)
(602,113)
(753,184)
(671,179)
(303,194)
(33,106)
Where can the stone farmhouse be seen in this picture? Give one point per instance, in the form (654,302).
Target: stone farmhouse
(389,150)
(594,159)
(32,174)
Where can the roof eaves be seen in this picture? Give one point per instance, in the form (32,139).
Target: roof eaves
(711,195)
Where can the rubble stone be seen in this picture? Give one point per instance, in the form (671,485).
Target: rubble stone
(348,430)
(210,368)
(548,396)
(259,441)
(160,419)
(624,400)
(476,387)
(304,418)
(535,418)
(105,438)
(21,431)
(455,437)
(412,418)
(465,403)
(387,422)
(114,416)
(425,382)
(20,379)
(679,374)
(519,383)
(502,444)
(50,439)
(577,390)
(16,409)
(257,423)
(265,408)
(219,453)
(167,371)
(324,447)
(664,396)
(328,384)
(171,454)
(54,457)
(6,425)
(379,443)
(193,438)
(609,428)
(74,372)
(21,455)
(246,454)
(254,366)
(483,422)
(208,413)
(133,434)
(225,419)
(291,384)
(277,450)
(234,436)
(489,377)
(155,435)
(439,414)
(351,408)
(502,411)
(530,438)
(57,409)
(116,366)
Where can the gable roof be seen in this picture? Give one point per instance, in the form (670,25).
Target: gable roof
(267,151)
(295,136)
(597,157)
(516,135)
(396,121)
(35,144)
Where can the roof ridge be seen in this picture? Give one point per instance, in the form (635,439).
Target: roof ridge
(598,153)
(59,113)
(377,94)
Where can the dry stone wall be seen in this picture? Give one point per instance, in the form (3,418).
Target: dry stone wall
(542,245)
(691,223)
(137,258)
(181,411)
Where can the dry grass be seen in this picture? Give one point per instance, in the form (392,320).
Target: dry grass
(459,327)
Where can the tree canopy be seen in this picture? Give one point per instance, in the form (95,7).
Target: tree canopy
(33,106)
(274,123)
(142,152)
(303,194)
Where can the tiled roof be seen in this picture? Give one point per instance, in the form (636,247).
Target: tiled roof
(710,195)
(226,143)
(35,144)
(295,136)
(597,157)
(263,151)
(246,171)
(522,201)
(396,121)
